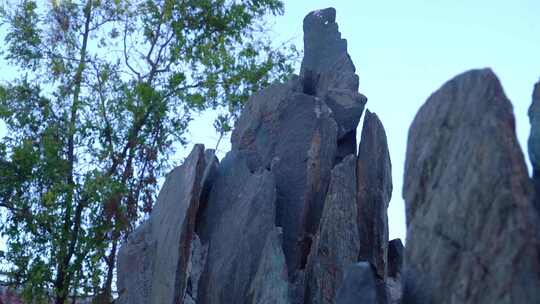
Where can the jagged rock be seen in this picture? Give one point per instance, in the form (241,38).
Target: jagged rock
(251,229)
(394,290)
(236,224)
(270,284)
(135,267)
(395,257)
(395,263)
(294,135)
(534,137)
(326,63)
(472,232)
(534,141)
(359,285)
(153,264)
(196,265)
(328,72)
(337,244)
(374,174)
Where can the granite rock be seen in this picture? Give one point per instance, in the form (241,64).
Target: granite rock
(472,233)
(534,137)
(337,243)
(395,257)
(158,251)
(294,135)
(236,224)
(359,285)
(374,174)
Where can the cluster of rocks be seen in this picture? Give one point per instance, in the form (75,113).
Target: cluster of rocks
(296,213)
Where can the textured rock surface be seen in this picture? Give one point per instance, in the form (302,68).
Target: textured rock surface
(374,174)
(328,72)
(270,284)
(395,257)
(359,285)
(237,221)
(136,267)
(294,135)
(395,263)
(534,137)
(534,142)
(337,244)
(472,229)
(277,221)
(153,265)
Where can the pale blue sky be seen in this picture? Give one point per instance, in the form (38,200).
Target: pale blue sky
(405,50)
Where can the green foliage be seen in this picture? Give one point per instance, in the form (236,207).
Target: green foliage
(106,89)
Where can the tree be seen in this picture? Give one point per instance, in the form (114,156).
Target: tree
(104,91)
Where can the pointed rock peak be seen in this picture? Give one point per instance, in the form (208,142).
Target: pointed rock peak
(536,92)
(374,186)
(471,227)
(323,46)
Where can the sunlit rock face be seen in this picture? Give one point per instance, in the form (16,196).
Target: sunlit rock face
(283,217)
(473,233)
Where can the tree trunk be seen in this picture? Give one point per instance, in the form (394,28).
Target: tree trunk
(62,282)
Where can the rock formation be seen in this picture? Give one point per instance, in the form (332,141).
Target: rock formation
(473,234)
(534,141)
(534,138)
(282,218)
(295,213)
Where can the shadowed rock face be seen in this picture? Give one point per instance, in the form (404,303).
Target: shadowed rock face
(534,137)
(237,222)
(152,266)
(328,73)
(395,257)
(337,244)
(359,285)
(374,173)
(293,135)
(472,229)
(283,215)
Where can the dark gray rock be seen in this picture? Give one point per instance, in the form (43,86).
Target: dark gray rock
(337,243)
(374,174)
(135,267)
(294,135)
(534,137)
(472,232)
(196,265)
(158,252)
(395,263)
(534,142)
(326,63)
(359,285)
(270,284)
(328,72)
(236,225)
(395,257)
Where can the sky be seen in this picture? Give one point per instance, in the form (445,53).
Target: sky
(405,50)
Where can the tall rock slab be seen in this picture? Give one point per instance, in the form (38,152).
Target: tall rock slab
(237,225)
(327,72)
(534,137)
(472,232)
(337,243)
(153,264)
(534,141)
(359,285)
(374,174)
(294,135)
